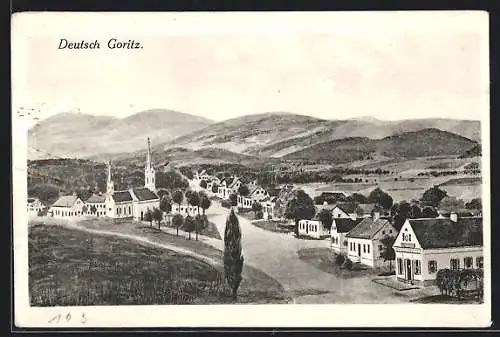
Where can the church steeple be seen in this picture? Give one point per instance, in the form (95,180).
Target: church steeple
(110,186)
(149,171)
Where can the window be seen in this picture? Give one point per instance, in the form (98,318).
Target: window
(468,262)
(368,248)
(345,243)
(390,231)
(364,248)
(409,237)
(454,264)
(380,248)
(479,262)
(432,267)
(400,266)
(383,232)
(417,267)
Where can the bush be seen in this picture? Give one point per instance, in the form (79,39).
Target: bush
(348,264)
(226,203)
(259,215)
(340,259)
(453,282)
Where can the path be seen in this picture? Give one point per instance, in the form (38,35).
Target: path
(276,255)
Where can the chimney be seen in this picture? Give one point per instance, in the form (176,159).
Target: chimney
(325,203)
(453,216)
(376,215)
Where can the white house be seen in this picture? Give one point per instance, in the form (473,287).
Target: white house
(245,202)
(338,232)
(313,228)
(268,208)
(186,209)
(234,184)
(257,193)
(34,206)
(353,210)
(68,206)
(96,205)
(424,246)
(223,191)
(364,241)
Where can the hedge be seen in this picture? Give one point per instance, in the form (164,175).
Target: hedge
(455,282)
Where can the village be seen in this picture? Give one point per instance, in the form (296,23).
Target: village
(398,246)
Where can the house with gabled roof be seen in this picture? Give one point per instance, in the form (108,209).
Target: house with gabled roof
(257,193)
(424,246)
(96,205)
(34,206)
(68,206)
(344,210)
(338,232)
(364,241)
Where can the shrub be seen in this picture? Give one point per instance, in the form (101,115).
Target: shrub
(339,259)
(259,215)
(226,203)
(348,264)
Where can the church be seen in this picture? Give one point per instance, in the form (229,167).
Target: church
(136,201)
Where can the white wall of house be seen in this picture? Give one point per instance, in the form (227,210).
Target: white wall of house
(312,228)
(65,212)
(442,258)
(100,208)
(339,242)
(339,213)
(123,209)
(245,202)
(185,210)
(141,207)
(259,194)
(361,250)
(34,207)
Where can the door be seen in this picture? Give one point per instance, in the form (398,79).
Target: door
(409,275)
(142,215)
(359,249)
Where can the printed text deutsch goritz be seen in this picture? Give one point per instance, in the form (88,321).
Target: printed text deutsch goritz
(112,43)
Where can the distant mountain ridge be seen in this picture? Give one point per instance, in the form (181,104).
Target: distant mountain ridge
(81,135)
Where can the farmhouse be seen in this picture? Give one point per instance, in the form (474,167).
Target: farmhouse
(34,206)
(234,184)
(345,210)
(268,207)
(364,241)
(244,202)
(68,206)
(96,205)
(223,190)
(424,246)
(185,209)
(340,227)
(312,228)
(257,193)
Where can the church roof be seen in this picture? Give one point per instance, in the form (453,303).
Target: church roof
(95,198)
(143,193)
(65,201)
(122,196)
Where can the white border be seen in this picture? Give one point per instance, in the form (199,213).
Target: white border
(26,25)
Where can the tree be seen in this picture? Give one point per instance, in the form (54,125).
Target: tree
(233,260)
(326,218)
(215,188)
(415,212)
(149,217)
(451,204)
(380,198)
(165,205)
(189,225)
(157,216)
(205,203)
(177,221)
(162,193)
(360,198)
(301,206)
(243,190)
(474,204)
(233,199)
(429,212)
(433,196)
(84,209)
(203,184)
(194,200)
(256,207)
(170,180)
(177,198)
(93,209)
(199,224)
(387,252)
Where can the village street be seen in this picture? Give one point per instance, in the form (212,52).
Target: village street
(276,255)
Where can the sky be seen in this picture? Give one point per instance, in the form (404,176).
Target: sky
(418,67)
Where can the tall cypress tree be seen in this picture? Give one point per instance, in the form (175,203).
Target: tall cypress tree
(233,260)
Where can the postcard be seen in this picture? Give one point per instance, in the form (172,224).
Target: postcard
(251,169)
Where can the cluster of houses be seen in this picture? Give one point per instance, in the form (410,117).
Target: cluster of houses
(231,185)
(421,246)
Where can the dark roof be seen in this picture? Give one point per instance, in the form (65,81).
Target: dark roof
(143,193)
(332,194)
(65,201)
(461,212)
(121,196)
(345,225)
(367,228)
(94,198)
(365,208)
(348,207)
(274,192)
(444,233)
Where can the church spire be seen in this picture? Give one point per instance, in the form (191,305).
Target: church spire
(110,187)
(149,171)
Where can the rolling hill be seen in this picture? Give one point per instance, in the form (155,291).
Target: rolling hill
(422,143)
(279,134)
(81,135)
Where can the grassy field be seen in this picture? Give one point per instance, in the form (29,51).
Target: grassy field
(70,267)
(273,226)
(323,259)
(256,286)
